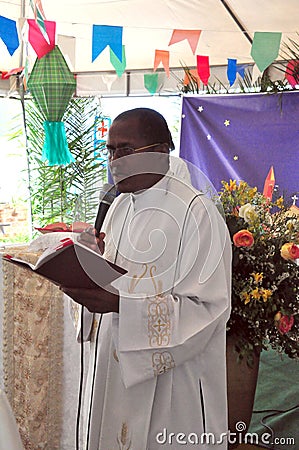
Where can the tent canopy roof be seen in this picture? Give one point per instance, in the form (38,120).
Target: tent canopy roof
(227,28)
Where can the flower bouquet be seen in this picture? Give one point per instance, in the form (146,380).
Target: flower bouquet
(265,285)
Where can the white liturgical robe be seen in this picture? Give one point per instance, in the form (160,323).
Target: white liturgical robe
(159,379)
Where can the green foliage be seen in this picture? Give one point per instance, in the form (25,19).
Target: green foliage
(17,239)
(65,193)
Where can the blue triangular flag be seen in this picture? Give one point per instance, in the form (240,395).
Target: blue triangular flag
(103,35)
(9,34)
(241,70)
(231,70)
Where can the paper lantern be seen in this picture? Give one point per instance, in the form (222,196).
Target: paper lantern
(52,85)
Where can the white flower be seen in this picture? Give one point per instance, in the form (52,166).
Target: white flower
(247,212)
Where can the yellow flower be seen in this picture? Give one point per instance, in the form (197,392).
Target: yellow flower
(257,277)
(266,293)
(255,293)
(232,185)
(242,185)
(279,202)
(246,297)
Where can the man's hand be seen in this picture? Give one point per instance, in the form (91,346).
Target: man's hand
(92,239)
(96,300)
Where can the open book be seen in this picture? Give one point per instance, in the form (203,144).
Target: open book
(72,264)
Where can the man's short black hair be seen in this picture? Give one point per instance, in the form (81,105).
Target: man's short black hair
(153,126)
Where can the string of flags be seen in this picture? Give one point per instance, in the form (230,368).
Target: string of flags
(41,36)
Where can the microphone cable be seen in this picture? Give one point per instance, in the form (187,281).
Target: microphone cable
(93,380)
(97,342)
(80,382)
(107,196)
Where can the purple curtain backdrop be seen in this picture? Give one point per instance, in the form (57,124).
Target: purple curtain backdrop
(241,136)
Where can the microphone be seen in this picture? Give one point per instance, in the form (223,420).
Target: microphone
(107,195)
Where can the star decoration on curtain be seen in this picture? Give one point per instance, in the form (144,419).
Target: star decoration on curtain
(227,123)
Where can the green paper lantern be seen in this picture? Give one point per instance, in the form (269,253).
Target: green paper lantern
(52,85)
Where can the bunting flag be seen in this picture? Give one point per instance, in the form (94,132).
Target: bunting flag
(255,74)
(265,48)
(292,72)
(119,66)
(231,70)
(192,37)
(37,40)
(9,34)
(192,74)
(241,136)
(39,16)
(151,82)
(269,184)
(162,56)
(108,80)
(203,68)
(106,35)
(241,70)
(16,71)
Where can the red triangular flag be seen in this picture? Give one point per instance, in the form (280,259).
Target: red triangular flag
(269,184)
(37,40)
(203,68)
(15,71)
(292,74)
(162,56)
(192,37)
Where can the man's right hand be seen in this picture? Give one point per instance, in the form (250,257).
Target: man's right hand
(92,239)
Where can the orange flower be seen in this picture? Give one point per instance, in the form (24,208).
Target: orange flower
(243,238)
(289,251)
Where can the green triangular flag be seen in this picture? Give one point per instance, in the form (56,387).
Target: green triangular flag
(265,48)
(118,65)
(151,82)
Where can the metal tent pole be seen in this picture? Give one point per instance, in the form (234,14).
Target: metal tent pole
(237,20)
(22,99)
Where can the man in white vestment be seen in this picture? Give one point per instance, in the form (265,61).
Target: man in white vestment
(157,374)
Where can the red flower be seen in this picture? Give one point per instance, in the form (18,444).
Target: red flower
(243,238)
(284,323)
